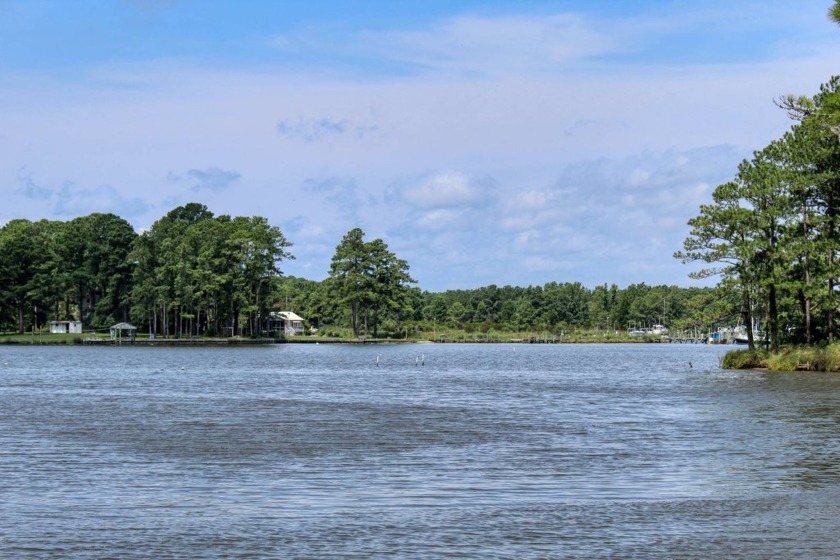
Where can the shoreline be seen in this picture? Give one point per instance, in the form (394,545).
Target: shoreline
(216,342)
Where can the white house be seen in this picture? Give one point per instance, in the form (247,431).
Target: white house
(286,322)
(66,327)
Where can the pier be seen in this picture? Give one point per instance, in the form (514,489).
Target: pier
(689,336)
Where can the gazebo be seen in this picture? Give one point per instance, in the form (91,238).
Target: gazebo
(122,331)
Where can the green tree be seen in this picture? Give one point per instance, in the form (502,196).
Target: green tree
(814,163)
(163,258)
(719,236)
(27,262)
(389,281)
(368,279)
(350,274)
(200,273)
(258,248)
(95,266)
(765,191)
(823,109)
(457,313)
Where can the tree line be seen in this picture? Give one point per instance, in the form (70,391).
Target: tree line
(193,273)
(554,308)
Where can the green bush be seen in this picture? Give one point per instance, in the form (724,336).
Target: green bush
(745,359)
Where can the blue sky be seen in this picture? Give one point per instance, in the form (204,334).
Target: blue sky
(485,142)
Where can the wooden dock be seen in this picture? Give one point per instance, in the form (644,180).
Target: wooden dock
(692,336)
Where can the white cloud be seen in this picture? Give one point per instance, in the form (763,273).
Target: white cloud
(439,219)
(639,177)
(449,188)
(210,179)
(532,200)
(71,201)
(489,46)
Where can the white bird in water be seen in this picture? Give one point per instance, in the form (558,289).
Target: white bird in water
(378,357)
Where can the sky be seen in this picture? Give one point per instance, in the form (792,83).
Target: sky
(486,142)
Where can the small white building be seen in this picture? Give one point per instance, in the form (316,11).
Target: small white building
(286,322)
(66,327)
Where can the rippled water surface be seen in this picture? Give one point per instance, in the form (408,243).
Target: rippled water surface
(473,451)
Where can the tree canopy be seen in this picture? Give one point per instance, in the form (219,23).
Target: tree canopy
(370,280)
(773,232)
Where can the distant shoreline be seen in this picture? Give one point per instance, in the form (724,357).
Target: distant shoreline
(28,340)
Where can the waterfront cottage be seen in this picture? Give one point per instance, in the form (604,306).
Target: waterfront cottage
(285,322)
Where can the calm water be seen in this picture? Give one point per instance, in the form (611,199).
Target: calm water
(483,451)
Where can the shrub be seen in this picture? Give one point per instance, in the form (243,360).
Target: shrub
(745,359)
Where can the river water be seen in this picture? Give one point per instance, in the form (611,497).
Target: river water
(436,451)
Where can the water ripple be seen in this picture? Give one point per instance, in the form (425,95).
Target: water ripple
(484,451)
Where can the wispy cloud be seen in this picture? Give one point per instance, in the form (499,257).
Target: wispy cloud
(209,179)
(310,130)
(32,190)
(341,192)
(550,44)
(488,45)
(212,179)
(71,201)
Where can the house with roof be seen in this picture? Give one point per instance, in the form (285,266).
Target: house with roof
(285,322)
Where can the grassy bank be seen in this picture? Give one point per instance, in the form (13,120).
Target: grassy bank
(792,358)
(341,335)
(48,338)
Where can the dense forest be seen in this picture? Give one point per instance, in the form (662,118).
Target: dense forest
(196,274)
(192,272)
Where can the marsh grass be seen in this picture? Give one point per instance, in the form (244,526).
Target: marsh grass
(745,359)
(791,358)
